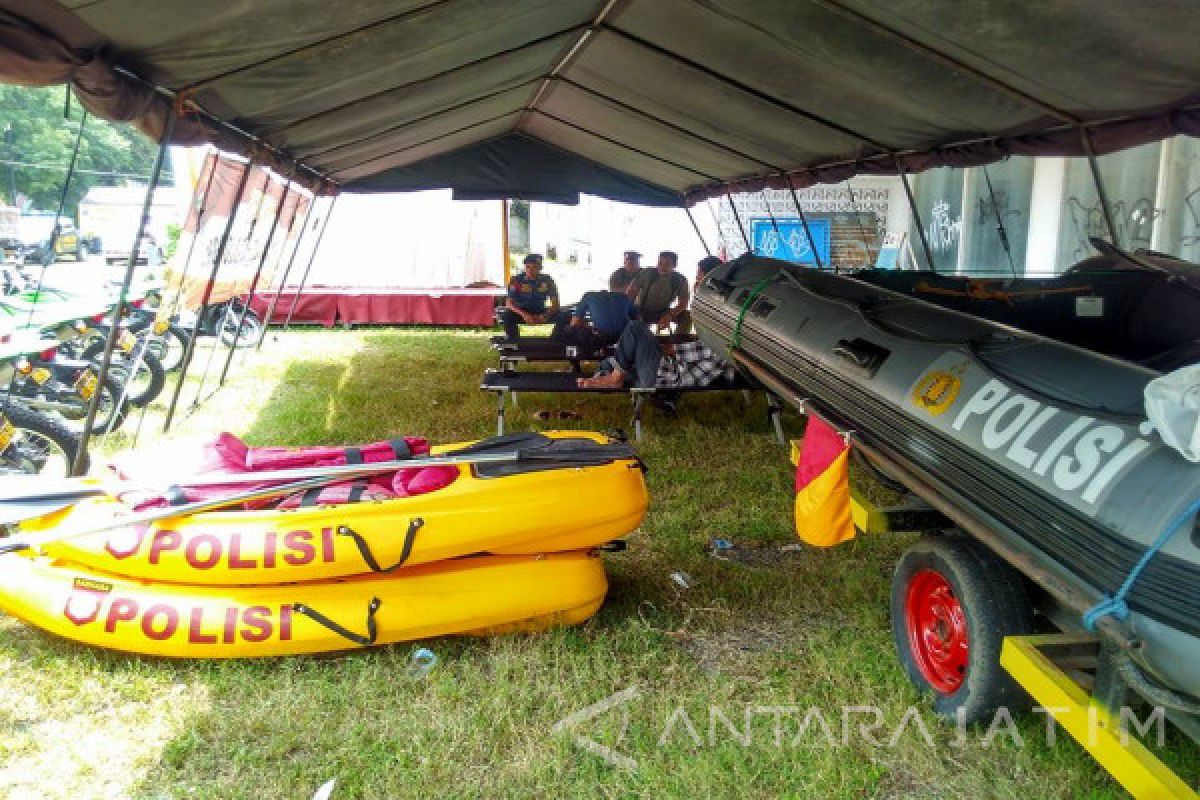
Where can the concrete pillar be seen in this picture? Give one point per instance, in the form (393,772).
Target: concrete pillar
(1045,216)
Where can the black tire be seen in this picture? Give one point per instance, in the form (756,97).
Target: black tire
(111,388)
(152,368)
(22,457)
(953,602)
(175,341)
(248,331)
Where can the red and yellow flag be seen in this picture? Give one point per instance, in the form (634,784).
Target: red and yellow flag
(823,487)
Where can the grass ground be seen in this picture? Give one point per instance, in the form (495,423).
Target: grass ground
(766,637)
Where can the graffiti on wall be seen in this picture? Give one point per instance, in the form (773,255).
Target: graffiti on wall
(1191,223)
(1134,223)
(944,229)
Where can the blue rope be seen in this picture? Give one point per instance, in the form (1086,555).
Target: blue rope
(1116,605)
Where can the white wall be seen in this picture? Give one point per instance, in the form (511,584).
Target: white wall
(590,239)
(412,240)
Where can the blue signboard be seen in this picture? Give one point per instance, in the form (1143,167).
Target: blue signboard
(790,243)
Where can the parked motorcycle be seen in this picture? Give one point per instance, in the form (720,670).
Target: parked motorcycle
(60,386)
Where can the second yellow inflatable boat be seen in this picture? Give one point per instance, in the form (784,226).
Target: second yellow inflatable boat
(478,595)
(523,508)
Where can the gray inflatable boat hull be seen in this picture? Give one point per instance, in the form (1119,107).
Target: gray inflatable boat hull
(1034,436)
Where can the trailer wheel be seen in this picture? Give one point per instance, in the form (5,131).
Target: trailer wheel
(953,602)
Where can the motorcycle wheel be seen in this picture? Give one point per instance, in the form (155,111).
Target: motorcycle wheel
(43,445)
(108,413)
(147,384)
(246,334)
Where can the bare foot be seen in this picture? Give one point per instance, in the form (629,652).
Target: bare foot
(612,380)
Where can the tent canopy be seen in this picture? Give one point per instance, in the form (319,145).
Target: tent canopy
(646,101)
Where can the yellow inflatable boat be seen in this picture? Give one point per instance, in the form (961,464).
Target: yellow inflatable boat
(478,595)
(523,508)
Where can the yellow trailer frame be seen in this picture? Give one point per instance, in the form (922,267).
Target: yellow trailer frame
(1049,667)
(1037,663)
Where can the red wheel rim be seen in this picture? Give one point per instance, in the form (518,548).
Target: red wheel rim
(937,631)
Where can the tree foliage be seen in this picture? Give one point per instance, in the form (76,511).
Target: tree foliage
(34,133)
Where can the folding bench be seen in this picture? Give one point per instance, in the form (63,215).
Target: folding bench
(543,349)
(507,384)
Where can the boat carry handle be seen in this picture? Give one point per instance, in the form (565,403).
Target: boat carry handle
(862,353)
(346,633)
(364,549)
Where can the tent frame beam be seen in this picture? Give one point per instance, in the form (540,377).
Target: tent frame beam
(598,18)
(430,140)
(436,76)
(629,147)
(317,45)
(760,95)
(950,61)
(408,123)
(667,124)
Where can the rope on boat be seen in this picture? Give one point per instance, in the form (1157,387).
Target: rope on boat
(736,341)
(1116,605)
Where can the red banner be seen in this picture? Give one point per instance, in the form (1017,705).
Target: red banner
(189,269)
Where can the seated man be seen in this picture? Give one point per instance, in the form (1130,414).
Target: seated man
(598,318)
(661,295)
(532,298)
(628,270)
(643,362)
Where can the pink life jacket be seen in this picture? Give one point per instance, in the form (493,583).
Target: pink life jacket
(227,453)
(262,458)
(401,483)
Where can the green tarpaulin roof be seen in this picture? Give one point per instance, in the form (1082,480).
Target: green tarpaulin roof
(647,101)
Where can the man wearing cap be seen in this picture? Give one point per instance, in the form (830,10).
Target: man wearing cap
(629,269)
(532,298)
(661,295)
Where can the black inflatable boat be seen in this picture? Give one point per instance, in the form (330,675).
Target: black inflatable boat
(1015,407)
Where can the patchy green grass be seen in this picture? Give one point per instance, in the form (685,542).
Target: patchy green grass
(764,638)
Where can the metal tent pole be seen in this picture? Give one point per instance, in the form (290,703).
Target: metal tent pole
(504,240)
(113,332)
(237,335)
(858,223)
(696,228)
(812,243)
(912,205)
(1001,231)
(771,215)
(1100,191)
(311,258)
(212,279)
(738,220)
(286,271)
(62,203)
(187,263)
(226,311)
